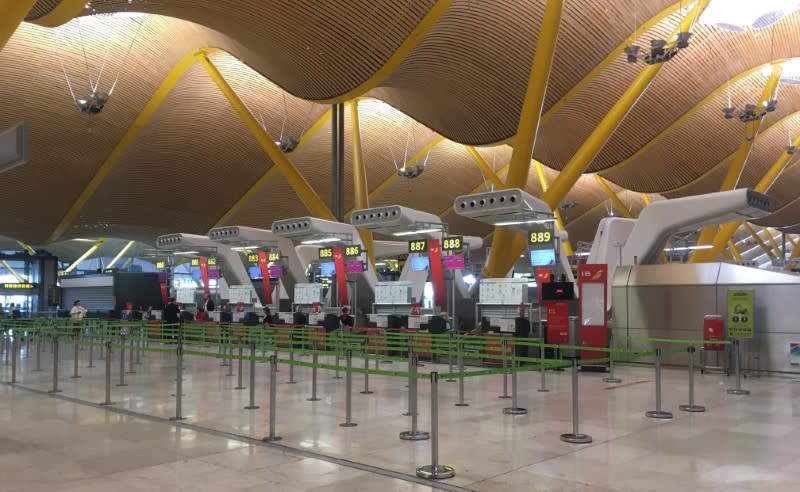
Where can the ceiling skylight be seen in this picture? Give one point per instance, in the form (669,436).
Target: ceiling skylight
(738,15)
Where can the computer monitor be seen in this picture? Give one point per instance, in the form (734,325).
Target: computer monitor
(327,268)
(420,263)
(255,272)
(543,257)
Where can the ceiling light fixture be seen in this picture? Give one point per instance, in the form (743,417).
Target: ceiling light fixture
(321,241)
(521,222)
(661,50)
(411,233)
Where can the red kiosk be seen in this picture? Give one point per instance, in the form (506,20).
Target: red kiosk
(593,309)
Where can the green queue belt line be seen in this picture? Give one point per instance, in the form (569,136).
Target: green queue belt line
(673,340)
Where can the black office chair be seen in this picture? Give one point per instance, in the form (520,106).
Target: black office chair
(522,329)
(331,322)
(299,319)
(437,325)
(250,319)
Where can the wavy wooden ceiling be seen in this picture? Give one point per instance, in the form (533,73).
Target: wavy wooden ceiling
(465,80)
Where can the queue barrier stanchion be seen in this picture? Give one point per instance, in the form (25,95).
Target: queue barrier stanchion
(460,402)
(291,360)
(239,377)
(737,360)
(14,350)
(348,422)
(38,353)
(450,356)
(543,379)
(252,405)
(414,434)
(514,409)
(691,407)
(338,348)
(658,413)
(435,471)
(273,403)
(131,358)
(55,366)
(91,339)
(314,362)
(575,437)
(504,345)
(108,375)
(122,362)
(611,378)
(412,367)
(366,369)
(76,348)
(229,351)
(178,376)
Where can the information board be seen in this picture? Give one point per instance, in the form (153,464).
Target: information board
(398,292)
(740,313)
(185,296)
(240,293)
(308,293)
(503,291)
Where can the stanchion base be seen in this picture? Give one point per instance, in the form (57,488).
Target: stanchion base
(120,385)
(348,424)
(407,414)
(251,407)
(414,436)
(336,377)
(366,392)
(515,411)
(612,380)
(312,399)
(504,397)
(692,408)
(450,380)
(543,390)
(576,438)
(37,370)
(173,394)
(738,392)
(462,404)
(436,472)
(658,414)
(107,403)
(130,372)
(272,438)
(240,387)
(75,377)
(90,367)
(386,362)
(175,419)
(291,382)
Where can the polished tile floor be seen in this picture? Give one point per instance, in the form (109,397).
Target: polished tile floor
(740,443)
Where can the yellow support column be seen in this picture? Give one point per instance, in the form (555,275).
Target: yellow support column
(113,158)
(646,199)
(85,255)
(772,242)
(120,255)
(613,196)
(360,189)
(304,191)
(758,239)
(506,245)
(485,167)
(708,235)
(734,251)
(729,229)
(556,212)
(12,13)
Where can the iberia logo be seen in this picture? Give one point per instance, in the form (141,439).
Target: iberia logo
(597,275)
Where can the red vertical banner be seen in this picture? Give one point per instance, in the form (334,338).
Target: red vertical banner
(593,308)
(262,262)
(341,275)
(542,277)
(204,275)
(437,274)
(164,294)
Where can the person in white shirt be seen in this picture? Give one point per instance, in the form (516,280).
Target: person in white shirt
(77,311)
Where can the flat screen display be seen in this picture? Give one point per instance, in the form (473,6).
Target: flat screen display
(327,268)
(420,263)
(255,272)
(543,257)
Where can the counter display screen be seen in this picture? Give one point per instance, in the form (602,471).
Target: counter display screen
(354,250)
(543,257)
(418,246)
(420,263)
(452,243)
(327,268)
(325,253)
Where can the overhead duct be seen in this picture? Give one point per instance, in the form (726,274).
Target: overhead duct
(398,221)
(13,146)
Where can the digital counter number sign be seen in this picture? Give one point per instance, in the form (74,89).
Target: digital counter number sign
(272,256)
(418,246)
(161,265)
(210,261)
(541,236)
(252,258)
(17,286)
(352,250)
(325,253)
(452,243)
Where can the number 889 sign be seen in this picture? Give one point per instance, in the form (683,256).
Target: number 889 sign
(541,235)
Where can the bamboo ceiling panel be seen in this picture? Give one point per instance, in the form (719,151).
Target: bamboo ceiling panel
(41,8)
(788,216)
(188,165)
(315,49)
(277,200)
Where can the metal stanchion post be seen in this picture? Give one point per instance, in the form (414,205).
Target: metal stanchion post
(122,362)
(273,386)
(514,409)
(337,348)
(450,356)
(252,405)
(314,359)
(611,378)
(91,347)
(737,359)
(140,345)
(505,369)
(658,413)
(414,434)
(108,376)
(38,353)
(229,358)
(366,370)
(55,366)
(179,376)
(542,374)
(460,402)
(131,360)
(691,407)
(291,366)
(348,421)
(412,367)
(575,437)
(435,470)
(14,350)
(76,356)
(239,381)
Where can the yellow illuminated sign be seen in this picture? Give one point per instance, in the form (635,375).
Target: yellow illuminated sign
(212,261)
(195,261)
(353,250)
(325,253)
(418,246)
(161,265)
(274,256)
(452,243)
(20,286)
(252,258)
(540,237)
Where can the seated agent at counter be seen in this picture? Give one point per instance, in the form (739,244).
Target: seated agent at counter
(345,319)
(172,312)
